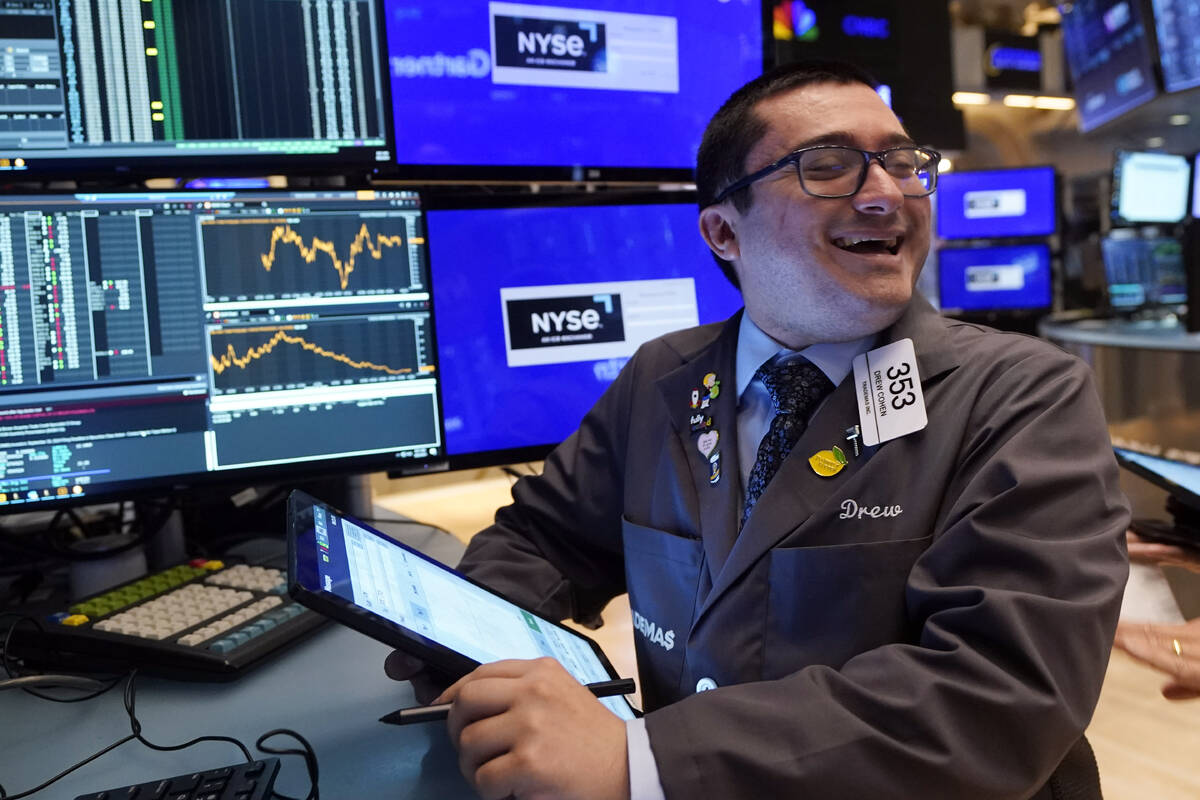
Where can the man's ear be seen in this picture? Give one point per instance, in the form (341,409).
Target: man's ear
(717,228)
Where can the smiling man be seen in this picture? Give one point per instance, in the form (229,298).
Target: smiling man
(872,552)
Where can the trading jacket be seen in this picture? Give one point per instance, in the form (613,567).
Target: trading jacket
(932,621)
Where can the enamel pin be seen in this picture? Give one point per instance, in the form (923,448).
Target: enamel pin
(701,424)
(828,463)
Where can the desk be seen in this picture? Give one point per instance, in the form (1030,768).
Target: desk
(330,689)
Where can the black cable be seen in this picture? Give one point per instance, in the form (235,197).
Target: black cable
(136,727)
(67,681)
(310,759)
(10,670)
(416,522)
(5,796)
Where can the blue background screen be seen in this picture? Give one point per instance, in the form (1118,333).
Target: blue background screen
(1040,215)
(956,277)
(489,405)
(449,108)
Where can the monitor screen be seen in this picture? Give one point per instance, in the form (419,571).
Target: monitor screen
(997,203)
(155,340)
(995,278)
(497,89)
(1150,187)
(539,306)
(1178,26)
(1109,56)
(179,87)
(1196,187)
(1179,478)
(1144,272)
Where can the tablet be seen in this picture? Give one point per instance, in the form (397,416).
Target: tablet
(352,573)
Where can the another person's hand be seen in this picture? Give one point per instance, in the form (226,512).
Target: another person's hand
(427,682)
(1149,552)
(1174,649)
(529,730)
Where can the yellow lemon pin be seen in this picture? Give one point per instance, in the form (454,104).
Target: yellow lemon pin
(828,463)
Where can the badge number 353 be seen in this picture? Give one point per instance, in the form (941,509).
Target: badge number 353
(890,402)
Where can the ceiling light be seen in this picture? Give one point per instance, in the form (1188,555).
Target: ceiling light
(1056,103)
(945,165)
(1155,141)
(970,99)
(1019,100)
(1179,119)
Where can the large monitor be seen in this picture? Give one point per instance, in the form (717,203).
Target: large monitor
(995,279)
(1178,26)
(177,87)
(1000,203)
(155,341)
(539,90)
(1109,53)
(1143,272)
(540,301)
(1150,187)
(1196,186)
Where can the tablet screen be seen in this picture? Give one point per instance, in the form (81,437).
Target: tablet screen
(378,575)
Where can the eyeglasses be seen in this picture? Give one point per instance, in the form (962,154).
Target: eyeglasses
(831,170)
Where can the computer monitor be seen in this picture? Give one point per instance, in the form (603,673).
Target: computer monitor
(999,203)
(1178,27)
(152,342)
(94,87)
(1196,186)
(1143,273)
(611,89)
(1150,187)
(541,300)
(987,279)
(1109,54)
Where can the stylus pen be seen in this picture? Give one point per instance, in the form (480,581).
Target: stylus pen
(407,716)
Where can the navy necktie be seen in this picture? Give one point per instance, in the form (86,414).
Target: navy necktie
(796,387)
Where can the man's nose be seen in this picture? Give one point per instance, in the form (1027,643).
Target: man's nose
(880,194)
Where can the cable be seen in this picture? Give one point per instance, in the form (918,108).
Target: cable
(68,681)
(10,669)
(136,727)
(310,759)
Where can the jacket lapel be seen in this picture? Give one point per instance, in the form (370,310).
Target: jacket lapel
(796,491)
(719,502)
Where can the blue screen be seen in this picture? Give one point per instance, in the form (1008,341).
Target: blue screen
(995,278)
(996,203)
(614,83)
(537,309)
(1144,272)
(1178,26)
(1108,52)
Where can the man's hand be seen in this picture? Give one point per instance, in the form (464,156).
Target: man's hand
(528,729)
(1174,649)
(1148,552)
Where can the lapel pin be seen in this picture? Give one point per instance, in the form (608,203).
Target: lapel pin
(714,463)
(828,463)
(853,434)
(707,443)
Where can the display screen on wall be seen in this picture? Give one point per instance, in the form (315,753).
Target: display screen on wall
(1177,23)
(989,204)
(1109,56)
(1150,187)
(995,278)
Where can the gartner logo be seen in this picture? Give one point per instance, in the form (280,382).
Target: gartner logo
(541,43)
(558,321)
(477,63)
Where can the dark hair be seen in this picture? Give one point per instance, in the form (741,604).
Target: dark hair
(735,129)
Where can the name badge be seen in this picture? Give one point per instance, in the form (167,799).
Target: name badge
(890,403)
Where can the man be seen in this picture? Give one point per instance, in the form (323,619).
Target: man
(927,616)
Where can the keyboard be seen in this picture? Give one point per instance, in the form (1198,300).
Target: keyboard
(244,781)
(202,620)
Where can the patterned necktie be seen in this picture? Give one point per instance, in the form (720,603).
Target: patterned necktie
(796,387)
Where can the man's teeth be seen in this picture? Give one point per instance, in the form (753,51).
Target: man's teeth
(850,241)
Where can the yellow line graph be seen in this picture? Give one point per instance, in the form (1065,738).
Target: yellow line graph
(285,234)
(230,358)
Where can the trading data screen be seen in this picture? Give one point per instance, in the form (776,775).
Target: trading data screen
(539,308)
(1108,52)
(995,278)
(1178,26)
(149,339)
(997,203)
(1144,273)
(611,83)
(111,82)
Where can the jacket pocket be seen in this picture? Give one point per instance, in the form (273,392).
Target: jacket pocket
(827,604)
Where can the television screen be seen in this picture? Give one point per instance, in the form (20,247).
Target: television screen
(539,306)
(1144,273)
(1196,187)
(997,203)
(1014,277)
(1177,23)
(498,89)
(1109,56)
(179,87)
(1150,187)
(152,341)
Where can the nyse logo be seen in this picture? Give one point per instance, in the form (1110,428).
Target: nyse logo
(557,321)
(549,44)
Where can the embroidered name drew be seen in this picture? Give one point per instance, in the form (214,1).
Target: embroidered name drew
(852,510)
(664,639)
